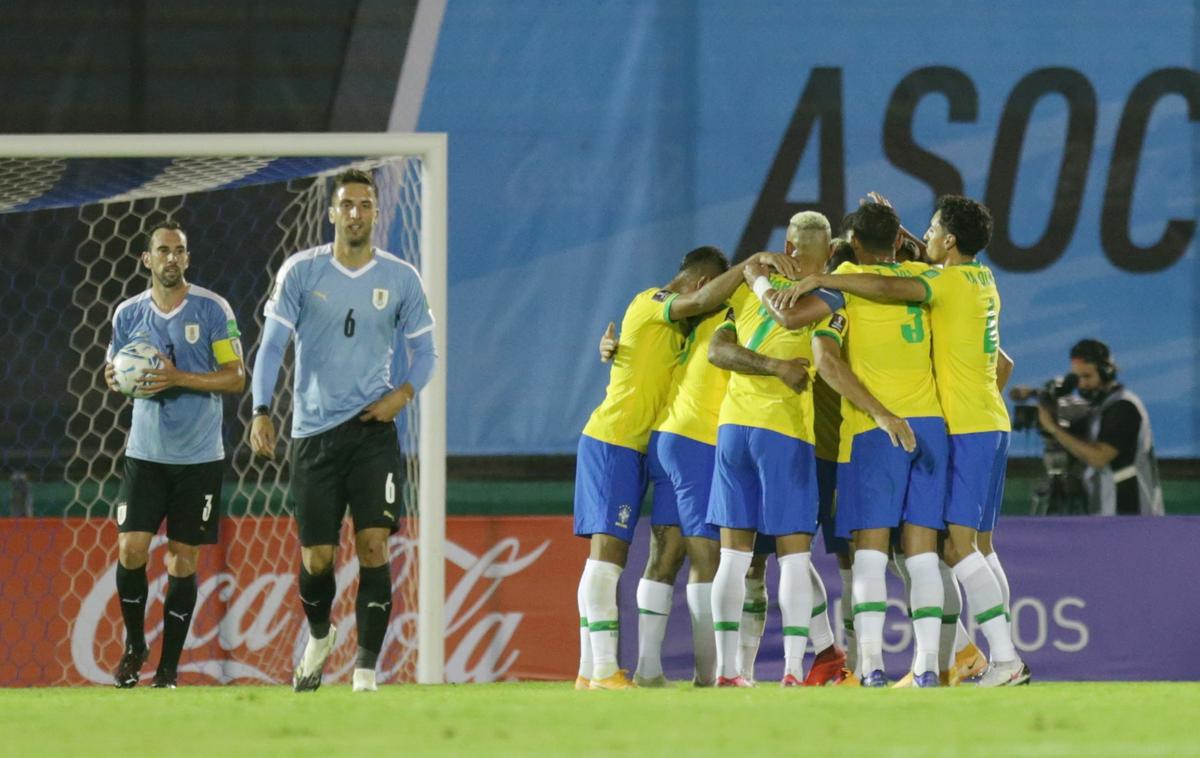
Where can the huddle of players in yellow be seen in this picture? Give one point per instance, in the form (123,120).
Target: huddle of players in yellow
(714,396)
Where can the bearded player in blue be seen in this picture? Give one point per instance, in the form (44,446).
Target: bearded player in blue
(349,305)
(174,457)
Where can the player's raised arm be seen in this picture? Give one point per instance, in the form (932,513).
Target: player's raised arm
(715,292)
(725,352)
(837,374)
(799,312)
(900,289)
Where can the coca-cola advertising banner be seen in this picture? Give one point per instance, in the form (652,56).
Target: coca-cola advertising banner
(1090,597)
(510,603)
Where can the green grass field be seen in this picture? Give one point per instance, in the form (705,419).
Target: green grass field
(1077,719)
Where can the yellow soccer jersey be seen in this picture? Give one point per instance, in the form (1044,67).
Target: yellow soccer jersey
(965,312)
(642,372)
(889,351)
(764,402)
(695,404)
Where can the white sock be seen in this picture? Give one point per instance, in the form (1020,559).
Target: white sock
(993,562)
(795,605)
(951,613)
(704,643)
(819,631)
(754,620)
(846,603)
(987,605)
(927,597)
(728,593)
(870,606)
(654,608)
(601,594)
(585,637)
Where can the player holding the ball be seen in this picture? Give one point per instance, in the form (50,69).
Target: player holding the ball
(174,457)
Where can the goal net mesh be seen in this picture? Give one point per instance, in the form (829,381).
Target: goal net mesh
(71,234)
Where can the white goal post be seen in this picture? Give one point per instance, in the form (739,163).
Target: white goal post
(431,151)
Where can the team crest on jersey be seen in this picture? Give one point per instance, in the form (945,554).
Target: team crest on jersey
(379,298)
(624,512)
(121,509)
(838,323)
(191,333)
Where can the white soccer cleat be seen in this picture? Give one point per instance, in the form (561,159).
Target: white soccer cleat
(364,681)
(307,677)
(1005,674)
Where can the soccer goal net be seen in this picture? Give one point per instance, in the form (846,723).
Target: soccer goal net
(73,216)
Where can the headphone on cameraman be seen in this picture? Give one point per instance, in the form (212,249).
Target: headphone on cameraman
(1097,353)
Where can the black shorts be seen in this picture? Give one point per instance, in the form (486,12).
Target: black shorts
(187,495)
(356,463)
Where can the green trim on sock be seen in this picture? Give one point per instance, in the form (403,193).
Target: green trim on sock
(949,618)
(795,631)
(928,612)
(990,614)
(908,611)
(583,621)
(604,626)
(1008,617)
(648,612)
(848,625)
(870,608)
(819,609)
(726,626)
(754,606)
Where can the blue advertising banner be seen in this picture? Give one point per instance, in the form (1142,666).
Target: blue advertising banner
(594,144)
(1092,617)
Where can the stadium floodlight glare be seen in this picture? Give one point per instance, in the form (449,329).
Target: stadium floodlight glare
(275,188)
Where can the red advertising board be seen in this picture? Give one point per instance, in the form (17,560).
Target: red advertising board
(510,603)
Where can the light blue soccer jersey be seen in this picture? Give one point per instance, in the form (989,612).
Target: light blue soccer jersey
(345,322)
(177,425)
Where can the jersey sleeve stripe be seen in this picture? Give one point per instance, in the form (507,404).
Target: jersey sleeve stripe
(271,314)
(928,289)
(419,332)
(667,307)
(222,302)
(830,334)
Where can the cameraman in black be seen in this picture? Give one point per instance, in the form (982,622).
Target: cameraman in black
(1122,475)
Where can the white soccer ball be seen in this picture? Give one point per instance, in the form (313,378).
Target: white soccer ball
(129,364)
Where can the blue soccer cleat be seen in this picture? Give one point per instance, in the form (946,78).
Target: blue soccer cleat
(875,679)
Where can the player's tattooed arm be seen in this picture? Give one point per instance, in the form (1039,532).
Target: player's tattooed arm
(714,293)
(725,352)
(837,374)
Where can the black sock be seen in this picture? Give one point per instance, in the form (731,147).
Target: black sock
(373,610)
(131,589)
(316,595)
(177,617)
